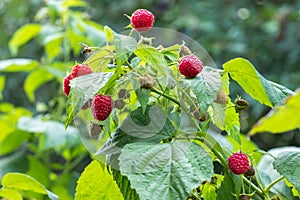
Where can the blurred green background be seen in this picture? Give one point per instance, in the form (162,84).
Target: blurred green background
(33,62)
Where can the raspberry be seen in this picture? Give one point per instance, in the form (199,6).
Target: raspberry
(101,106)
(238,163)
(142,20)
(67,87)
(80,69)
(190,66)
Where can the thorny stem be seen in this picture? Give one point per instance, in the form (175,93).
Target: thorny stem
(165,95)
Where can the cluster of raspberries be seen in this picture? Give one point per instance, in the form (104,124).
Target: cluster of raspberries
(101,105)
(141,20)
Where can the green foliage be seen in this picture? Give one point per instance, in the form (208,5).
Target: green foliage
(161,147)
(97,183)
(288,165)
(160,167)
(205,86)
(281,118)
(14,182)
(254,84)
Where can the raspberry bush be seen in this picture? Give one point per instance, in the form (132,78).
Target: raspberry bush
(151,113)
(157,142)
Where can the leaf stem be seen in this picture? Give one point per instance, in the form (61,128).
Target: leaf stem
(165,95)
(257,190)
(273,183)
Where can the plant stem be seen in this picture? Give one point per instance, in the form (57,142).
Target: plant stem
(273,183)
(165,95)
(257,190)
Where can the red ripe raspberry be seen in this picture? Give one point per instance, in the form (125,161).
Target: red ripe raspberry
(190,66)
(142,20)
(238,163)
(80,69)
(101,106)
(67,87)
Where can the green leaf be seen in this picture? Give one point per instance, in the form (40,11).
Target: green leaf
(10,194)
(15,162)
(2,85)
(97,183)
(35,80)
(152,57)
(165,171)
(18,64)
(22,36)
(124,45)
(99,60)
(151,126)
(205,86)
(259,88)
(209,191)
(124,186)
(54,135)
(12,141)
(24,182)
(288,165)
(84,88)
(143,96)
(109,34)
(268,173)
(231,185)
(281,118)
(53,45)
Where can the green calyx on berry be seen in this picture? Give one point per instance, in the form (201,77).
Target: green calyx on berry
(190,66)
(238,163)
(101,107)
(142,20)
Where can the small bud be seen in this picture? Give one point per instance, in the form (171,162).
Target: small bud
(244,197)
(119,104)
(94,129)
(146,82)
(240,104)
(222,97)
(184,51)
(250,171)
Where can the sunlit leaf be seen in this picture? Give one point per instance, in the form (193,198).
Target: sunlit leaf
(2,84)
(259,88)
(18,64)
(282,118)
(24,182)
(97,183)
(22,36)
(10,194)
(53,45)
(35,80)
